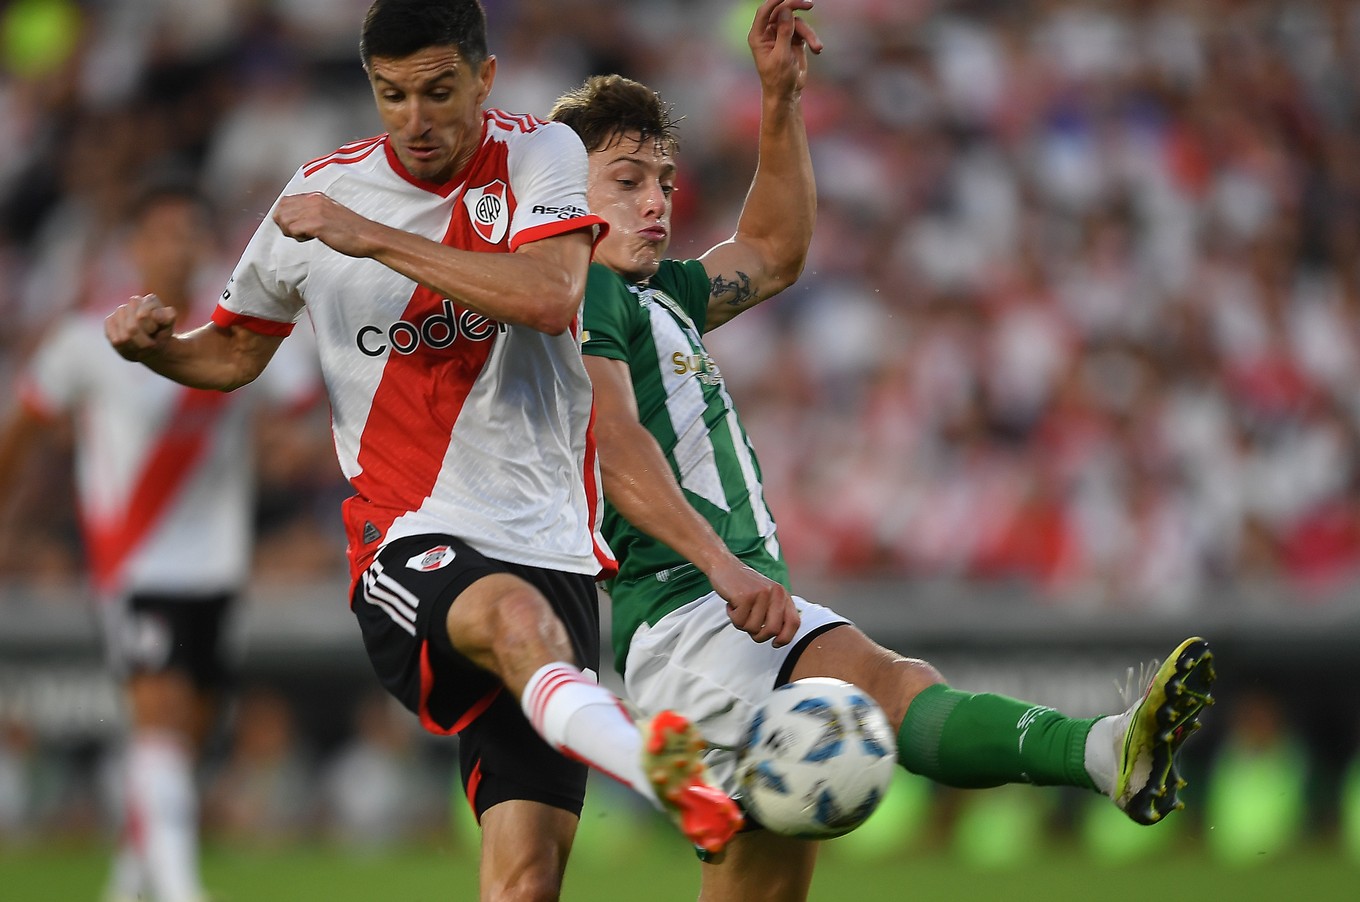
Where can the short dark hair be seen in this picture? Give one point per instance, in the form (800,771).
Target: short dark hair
(165,186)
(395,29)
(605,106)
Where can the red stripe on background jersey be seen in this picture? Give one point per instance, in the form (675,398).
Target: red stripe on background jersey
(172,460)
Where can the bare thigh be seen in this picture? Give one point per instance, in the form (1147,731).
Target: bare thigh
(505,625)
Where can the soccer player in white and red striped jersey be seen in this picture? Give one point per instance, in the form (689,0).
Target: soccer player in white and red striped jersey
(442,265)
(164,482)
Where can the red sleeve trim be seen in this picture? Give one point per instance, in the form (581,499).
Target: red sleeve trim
(552,229)
(224,318)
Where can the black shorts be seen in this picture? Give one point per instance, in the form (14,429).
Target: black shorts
(155,633)
(402,601)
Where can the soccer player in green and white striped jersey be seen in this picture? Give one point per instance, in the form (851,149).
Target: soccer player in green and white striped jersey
(704,620)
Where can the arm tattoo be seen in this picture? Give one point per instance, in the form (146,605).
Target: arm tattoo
(739,288)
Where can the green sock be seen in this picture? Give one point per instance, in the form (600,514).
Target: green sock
(972,741)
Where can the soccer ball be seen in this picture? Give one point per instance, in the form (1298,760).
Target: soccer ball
(817,759)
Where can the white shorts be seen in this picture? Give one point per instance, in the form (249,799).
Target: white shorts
(696,662)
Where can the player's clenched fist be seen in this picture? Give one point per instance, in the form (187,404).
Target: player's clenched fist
(303,217)
(140,327)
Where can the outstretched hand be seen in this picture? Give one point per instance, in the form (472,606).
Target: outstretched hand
(140,327)
(779,41)
(756,604)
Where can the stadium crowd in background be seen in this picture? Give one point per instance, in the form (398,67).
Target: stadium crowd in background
(1081,312)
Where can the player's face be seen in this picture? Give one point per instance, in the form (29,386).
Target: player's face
(630,187)
(168,242)
(431,104)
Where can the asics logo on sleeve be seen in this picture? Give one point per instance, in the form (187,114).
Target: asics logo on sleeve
(565,211)
(436,332)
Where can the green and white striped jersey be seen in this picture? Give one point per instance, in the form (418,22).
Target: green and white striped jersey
(657,329)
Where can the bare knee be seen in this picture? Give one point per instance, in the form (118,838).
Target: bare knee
(913,675)
(534,883)
(847,654)
(894,682)
(164,701)
(505,625)
(527,627)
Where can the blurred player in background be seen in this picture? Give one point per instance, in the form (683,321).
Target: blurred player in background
(442,265)
(165,484)
(704,622)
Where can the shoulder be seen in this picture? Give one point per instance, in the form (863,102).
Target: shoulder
(531,136)
(76,344)
(347,158)
(501,123)
(684,280)
(610,312)
(607,293)
(600,279)
(82,328)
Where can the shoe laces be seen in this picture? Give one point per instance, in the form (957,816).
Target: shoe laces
(1136,681)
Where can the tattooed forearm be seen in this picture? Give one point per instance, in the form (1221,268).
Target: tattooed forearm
(739,288)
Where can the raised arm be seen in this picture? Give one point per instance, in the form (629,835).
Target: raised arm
(210,357)
(539,285)
(639,483)
(769,248)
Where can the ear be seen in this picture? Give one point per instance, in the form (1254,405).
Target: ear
(487,76)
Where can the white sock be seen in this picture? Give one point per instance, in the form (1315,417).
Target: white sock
(585,721)
(163,799)
(127,881)
(1102,759)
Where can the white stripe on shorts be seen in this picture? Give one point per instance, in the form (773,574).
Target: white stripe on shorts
(379,597)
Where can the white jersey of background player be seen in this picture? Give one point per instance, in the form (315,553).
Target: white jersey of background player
(197,539)
(164,481)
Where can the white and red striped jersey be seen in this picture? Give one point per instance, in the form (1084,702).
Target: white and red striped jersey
(164,474)
(444,420)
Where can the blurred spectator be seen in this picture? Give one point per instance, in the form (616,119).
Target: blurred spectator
(377,789)
(1083,309)
(263,791)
